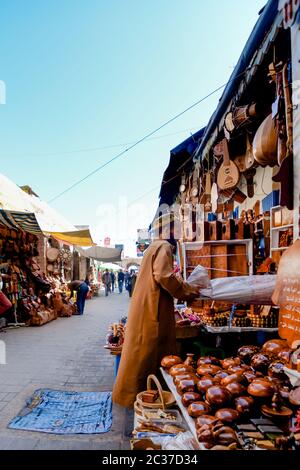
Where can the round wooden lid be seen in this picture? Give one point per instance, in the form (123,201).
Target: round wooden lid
(52,254)
(283,412)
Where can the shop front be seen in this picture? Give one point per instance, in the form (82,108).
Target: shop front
(233,188)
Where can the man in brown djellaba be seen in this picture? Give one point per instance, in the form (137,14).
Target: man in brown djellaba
(150,331)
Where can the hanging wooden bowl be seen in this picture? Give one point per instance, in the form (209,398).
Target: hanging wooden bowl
(265,143)
(165,399)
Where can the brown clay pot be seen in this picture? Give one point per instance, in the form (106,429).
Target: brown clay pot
(241,368)
(204,383)
(208,369)
(236,389)
(261,388)
(225,436)
(205,419)
(208,360)
(250,375)
(243,404)
(230,361)
(187,375)
(169,361)
(186,385)
(246,352)
(205,434)
(218,396)
(237,377)
(190,361)
(285,355)
(227,415)
(189,397)
(260,362)
(198,408)
(220,375)
(180,369)
(274,346)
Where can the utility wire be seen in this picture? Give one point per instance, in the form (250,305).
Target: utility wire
(150,134)
(104,147)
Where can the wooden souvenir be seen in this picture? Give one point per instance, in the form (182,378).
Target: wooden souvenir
(228,174)
(265,143)
(228,230)
(219,261)
(237,263)
(215,230)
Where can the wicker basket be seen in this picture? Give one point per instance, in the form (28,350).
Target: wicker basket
(165,400)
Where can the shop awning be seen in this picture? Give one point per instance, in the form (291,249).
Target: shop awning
(101,253)
(27,221)
(20,220)
(181,160)
(77,237)
(20,210)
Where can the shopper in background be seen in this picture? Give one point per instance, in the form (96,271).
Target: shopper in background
(82,290)
(127,275)
(132,281)
(106,279)
(121,277)
(113,280)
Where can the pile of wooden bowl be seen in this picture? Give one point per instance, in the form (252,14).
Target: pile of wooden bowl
(220,393)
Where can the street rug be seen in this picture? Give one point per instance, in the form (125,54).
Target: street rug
(61,412)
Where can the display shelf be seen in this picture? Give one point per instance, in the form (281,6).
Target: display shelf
(276,229)
(190,246)
(236,329)
(279,248)
(282,227)
(189,420)
(293,375)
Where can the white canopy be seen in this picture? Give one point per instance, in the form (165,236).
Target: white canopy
(14,198)
(101,253)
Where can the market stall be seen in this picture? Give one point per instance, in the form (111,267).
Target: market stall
(233,187)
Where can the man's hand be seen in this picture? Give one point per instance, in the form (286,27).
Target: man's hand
(194,292)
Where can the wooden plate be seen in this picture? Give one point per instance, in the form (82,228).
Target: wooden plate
(52,254)
(284,412)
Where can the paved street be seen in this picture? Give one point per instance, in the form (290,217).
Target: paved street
(66,354)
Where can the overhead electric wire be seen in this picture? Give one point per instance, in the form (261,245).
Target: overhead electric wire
(120,154)
(104,147)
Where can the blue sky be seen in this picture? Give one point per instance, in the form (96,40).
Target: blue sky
(84,74)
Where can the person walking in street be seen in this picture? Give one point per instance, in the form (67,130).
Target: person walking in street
(113,280)
(82,290)
(106,279)
(121,277)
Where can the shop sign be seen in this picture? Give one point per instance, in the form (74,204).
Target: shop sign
(287,294)
(289,11)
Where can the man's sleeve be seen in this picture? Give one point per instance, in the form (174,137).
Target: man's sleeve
(164,275)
